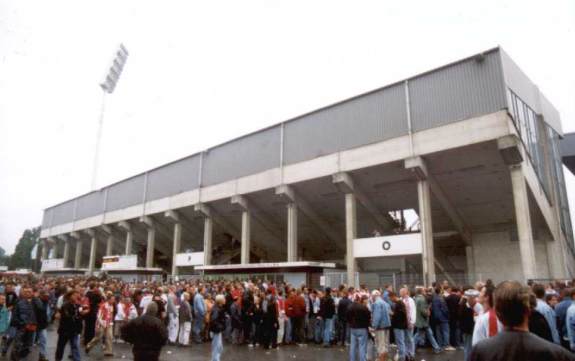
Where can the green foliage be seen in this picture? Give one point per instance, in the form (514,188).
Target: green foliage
(21,257)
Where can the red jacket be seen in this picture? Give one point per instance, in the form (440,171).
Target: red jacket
(295,306)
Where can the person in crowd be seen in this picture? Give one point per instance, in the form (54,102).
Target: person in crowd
(217,326)
(247,316)
(327,314)
(11,300)
(570,322)
(199,309)
(546,311)
(342,308)
(313,323)
(561,314)
(147,334)
(452,301)
(486,324)
(25,323)
(185,320)
(537,323)
(125,311)
(41,309)
(104,326)
(410,311)
(172,312)
(358,319)
(281,316)
(423,330)
(381,324)
(4,319)
(236,318)
(70,326)
(94,298)
(257,321)
(469,310)
(440,313)
(295,309)
(269,320)
(208,303)
(400,325)
(515,342)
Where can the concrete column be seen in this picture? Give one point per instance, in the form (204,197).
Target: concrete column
(129,242)
(350,235)
(245,254)
(428,256)
(292,233)
(555,259)
(93,249)
(78,255)
(66,252)
(470,264)
(54,249)
(44,249)
(109,244)
(150,248)
(523,219)
(208,234)
(176,248)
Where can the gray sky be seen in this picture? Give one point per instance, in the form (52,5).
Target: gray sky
(201,73)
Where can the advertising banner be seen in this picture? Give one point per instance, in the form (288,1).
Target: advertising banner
(190,259)
(119,262)
(395,245)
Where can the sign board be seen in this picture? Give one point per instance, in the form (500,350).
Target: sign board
(3,268)
(190,259)
(52,264)
(119,262)
(396,245)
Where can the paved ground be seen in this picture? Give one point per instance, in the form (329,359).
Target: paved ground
(238,353)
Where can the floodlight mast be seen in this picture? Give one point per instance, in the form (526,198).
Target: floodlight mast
(108,85)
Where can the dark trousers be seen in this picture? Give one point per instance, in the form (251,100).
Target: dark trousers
(63,339)
(89,328)
(298,324)
(22,344)
(247,326)
(343,331)
(269,336)
(146,355)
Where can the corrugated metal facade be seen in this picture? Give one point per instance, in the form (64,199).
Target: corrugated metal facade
(126,193)
(367,119)
(91,204)
(173,178)
(63,213)
(457,92)
(248,155)
(46,218)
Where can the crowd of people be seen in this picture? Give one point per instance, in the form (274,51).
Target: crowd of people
(484,320)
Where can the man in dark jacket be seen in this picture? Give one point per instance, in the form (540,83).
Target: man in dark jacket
(270,321)
(358,318)
(326,313)
(70,326)
(452,301)
(94,297)
(41,309)
(11,300)
(342,308)
(440,314)
(217,326)
(25,323)
(147,334)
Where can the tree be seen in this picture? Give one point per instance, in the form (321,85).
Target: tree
(3,257)
(21,257)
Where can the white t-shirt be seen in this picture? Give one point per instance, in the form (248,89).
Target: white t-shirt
(145,301)
(481,329)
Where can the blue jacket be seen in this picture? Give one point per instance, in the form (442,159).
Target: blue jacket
(380,314)
(439,309)
(4,316)
(550,317)
(570,325)
(199,306)
(561,313)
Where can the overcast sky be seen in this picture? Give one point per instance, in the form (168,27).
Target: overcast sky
(201,73)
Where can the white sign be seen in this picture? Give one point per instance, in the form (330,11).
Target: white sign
(52,264)
(396,245)
(190,259)
(119,262)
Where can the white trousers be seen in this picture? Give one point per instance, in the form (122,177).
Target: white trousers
(184,337)
(173,328)
(281,323)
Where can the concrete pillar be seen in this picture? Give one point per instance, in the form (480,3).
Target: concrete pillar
(208,234)
(176,248)
(555,259)
(93,249)
(245,254)
(129,242)
(428,256)
(66,252)
(44,249)
(292,255)
(78,255)
(350,235)
(109,244)
(523,219)
(470,264)
(54,248)
(150,247)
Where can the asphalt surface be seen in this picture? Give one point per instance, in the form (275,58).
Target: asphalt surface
(310,352)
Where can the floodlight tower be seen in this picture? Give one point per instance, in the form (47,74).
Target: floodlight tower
(108,86)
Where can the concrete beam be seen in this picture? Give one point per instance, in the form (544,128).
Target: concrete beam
(344,182)
(93,249)
(509,148)
(419,168)
(151,240)
(129,236)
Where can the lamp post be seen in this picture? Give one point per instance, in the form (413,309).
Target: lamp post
(108,86)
